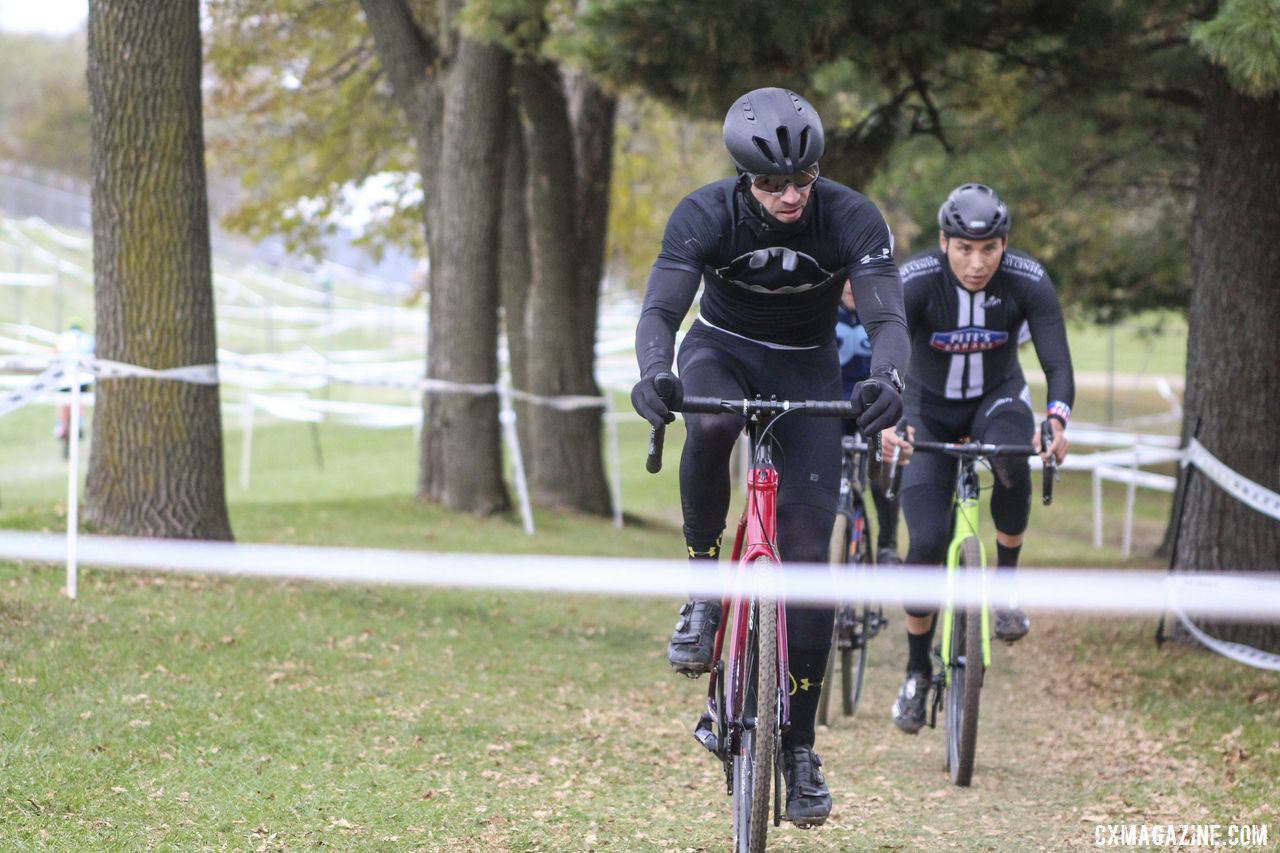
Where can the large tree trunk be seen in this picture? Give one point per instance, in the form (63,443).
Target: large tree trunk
(461,477)
(156,466)
(1233,348)
(566,460)
(461,439)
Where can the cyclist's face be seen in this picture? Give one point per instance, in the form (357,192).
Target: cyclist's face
(973,261)
(786,207)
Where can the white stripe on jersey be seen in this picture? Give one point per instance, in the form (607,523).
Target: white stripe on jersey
(955,371)
(975,360)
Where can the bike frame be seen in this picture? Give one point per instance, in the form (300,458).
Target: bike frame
(966,513)
(757,532)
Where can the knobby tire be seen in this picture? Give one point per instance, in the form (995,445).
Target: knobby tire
(966,679)
(754,767)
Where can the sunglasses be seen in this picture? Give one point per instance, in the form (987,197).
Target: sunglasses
(776,185)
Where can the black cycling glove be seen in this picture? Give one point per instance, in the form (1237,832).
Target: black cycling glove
(651,395)
(881,404)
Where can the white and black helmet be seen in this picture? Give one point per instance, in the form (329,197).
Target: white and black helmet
(974,212)
(773,131)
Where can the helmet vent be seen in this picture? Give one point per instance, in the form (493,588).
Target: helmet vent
(804,143)
(784,140)
(763,147)
(795,101)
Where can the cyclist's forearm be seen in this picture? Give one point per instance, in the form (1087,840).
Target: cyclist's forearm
(879,301)
(1055,359)
(1049,335)
(666,300)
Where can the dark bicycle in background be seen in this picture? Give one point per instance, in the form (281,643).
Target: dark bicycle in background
(856,623)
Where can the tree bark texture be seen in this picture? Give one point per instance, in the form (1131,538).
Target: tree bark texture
(458,185)
(156,467)
(462,464)
(514,267)
(1233,348)
(566,462)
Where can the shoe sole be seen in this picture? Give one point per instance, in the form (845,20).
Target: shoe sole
(691,670)
(808,822)
(905,730)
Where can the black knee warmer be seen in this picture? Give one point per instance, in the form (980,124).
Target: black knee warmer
(1011,496)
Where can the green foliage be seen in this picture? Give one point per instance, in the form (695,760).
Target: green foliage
(1082,113)
(1098,186)
(301,112)
(1244,38)
(659,157)
(44,102)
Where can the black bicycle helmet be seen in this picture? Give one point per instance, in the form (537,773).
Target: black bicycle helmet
(974,212)
(773,132)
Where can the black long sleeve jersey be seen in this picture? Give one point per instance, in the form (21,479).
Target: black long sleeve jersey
(776,286)
(964,344)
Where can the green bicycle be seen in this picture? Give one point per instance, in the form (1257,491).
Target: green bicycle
(966,630)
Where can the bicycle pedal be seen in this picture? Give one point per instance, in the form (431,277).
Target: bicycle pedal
(705,734)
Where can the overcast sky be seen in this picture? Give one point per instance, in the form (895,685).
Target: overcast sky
(55,17)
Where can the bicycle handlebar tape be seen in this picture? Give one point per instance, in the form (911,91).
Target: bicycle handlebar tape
(1050,467)
(665,384)
(653,463)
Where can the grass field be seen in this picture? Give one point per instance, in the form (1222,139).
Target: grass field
(180,712)
(206,713)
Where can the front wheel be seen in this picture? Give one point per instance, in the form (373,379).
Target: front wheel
(966,671)
(753,765)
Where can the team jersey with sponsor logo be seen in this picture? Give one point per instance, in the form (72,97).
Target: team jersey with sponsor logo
(964,344)
(779,288)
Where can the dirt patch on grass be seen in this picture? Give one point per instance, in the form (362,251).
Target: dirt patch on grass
(1060,751)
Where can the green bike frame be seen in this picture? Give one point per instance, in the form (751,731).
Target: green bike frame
(966,525)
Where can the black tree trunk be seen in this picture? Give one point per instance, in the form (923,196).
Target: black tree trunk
(156,466)
(566,454)
(1233,348)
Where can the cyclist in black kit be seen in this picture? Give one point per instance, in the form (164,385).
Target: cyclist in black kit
(966,302)
(774,246)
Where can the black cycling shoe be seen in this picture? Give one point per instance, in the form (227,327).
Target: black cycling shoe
(888,557)
(1011,624)
(689,650)
(908,709)
(808,800)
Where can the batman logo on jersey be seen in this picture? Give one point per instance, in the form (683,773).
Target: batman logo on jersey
(775,270)
(968,339)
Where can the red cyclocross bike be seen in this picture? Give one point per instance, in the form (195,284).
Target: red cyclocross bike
(747,698)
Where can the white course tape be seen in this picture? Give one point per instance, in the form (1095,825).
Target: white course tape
(565,404)
(1241,488)
(199,374)
(1237,652)
(1248,597)
(45,382)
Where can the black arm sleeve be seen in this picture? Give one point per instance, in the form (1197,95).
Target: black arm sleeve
(879,299)
(1049,335)
(667,298)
